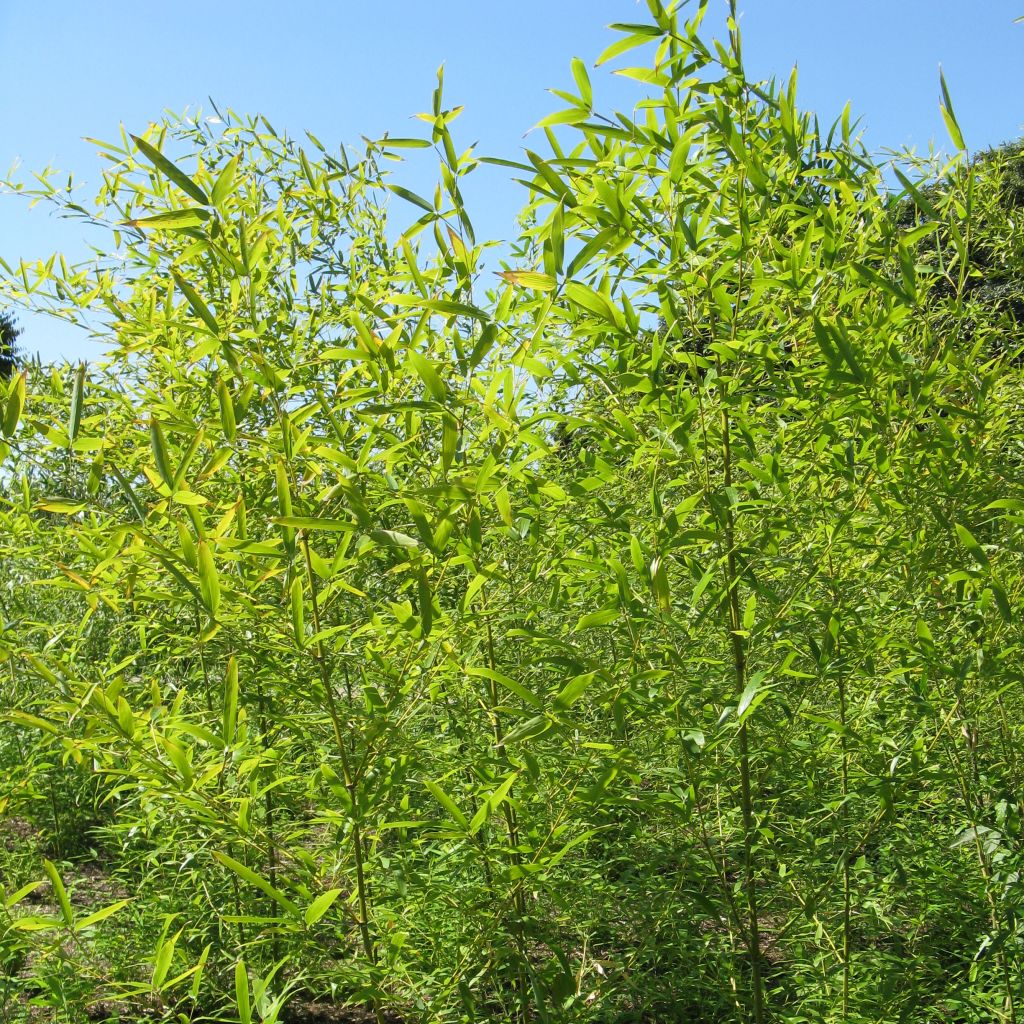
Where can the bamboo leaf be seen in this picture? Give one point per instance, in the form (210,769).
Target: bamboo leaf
(598,618)
(528,730)
(15,405)
(968,541)
(60,892)
(952,126)
(573,690)
(60,506)
(161,459)
(508,683)
(411,197)
(530,279)
(209,585)
(171,220)
(195,300)
(225,182)
(242,993)
(230,716)
(75,416)
(579,73)
(171,170)
(315,523)
(447,803)
(298,613)
(430,377)
(320,906)
(250,876)
(227,411)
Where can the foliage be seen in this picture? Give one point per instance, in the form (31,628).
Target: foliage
(635,638)
(9,334)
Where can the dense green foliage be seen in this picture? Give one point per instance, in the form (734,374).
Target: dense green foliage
(9,334)
(634,638)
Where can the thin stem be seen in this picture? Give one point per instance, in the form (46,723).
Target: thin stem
(346,766)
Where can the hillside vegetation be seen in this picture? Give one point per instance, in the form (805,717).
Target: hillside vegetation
(632,635)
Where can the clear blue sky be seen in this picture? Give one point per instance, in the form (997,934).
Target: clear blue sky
(343,69)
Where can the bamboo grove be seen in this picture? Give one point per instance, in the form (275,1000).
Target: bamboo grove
(629,635)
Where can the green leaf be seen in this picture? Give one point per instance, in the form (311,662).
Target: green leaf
(573,690)
(250,876)
(227,411)
(60,892)
(298,622)
(445,306)
(15,405)
(189,498)
(508,683)
(425,369)
(447,803)
(574,115)
(590,300)
(164,958)
(449,440)
(659,584)
(97,915)
(598,618)
(172,220)
(61,506)
(530,279)
(19,894)
(229,718)
(677,158)
(197,977)
(579,73)
(171,170)
(242,992)
(161,458)
(320,906)
(968,541)
(199,307)
(393,539)
(209,585)
(315,523)
(284,494)
(920,199)
(75,416)
(1002,601)
(225,182)
(753,694)
(411,197)
(630,42)
(504,506)
(949,116)
(528,730)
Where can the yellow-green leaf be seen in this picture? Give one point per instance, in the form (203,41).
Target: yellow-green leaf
(171,170)
(531,279)
(320,906)
(15,405)
(298,621)
(195,300)
(77,397)
(209,586)
(227,410)
(60,892)
(171,220)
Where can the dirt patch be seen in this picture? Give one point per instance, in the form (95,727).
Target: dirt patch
(299,1011)
(136,1011)
(15,833)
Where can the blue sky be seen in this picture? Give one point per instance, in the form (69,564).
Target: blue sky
(343,69)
